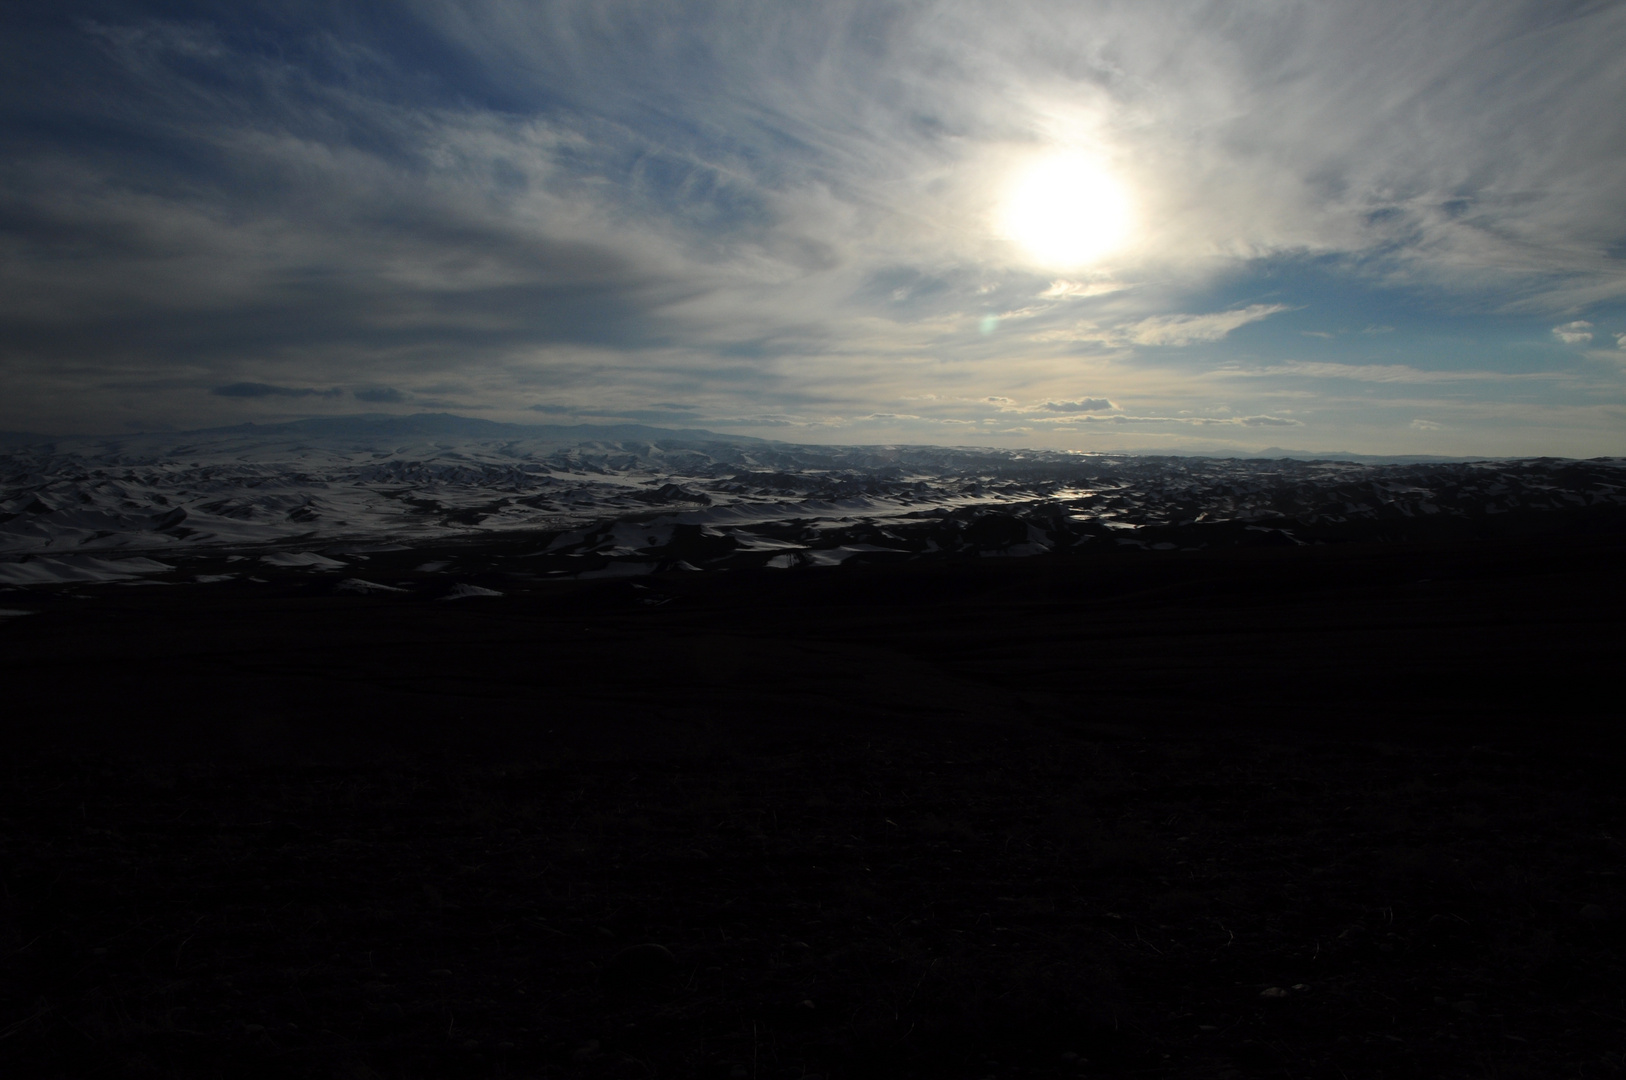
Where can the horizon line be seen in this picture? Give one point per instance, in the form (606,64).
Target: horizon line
(14,438)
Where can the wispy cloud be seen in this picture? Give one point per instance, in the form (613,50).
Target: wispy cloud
(1062,289)
(792,216)
(1385,373)
(1180,330)
(1166,330)
(1578,332)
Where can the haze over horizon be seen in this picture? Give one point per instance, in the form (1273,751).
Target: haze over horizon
(1380,228)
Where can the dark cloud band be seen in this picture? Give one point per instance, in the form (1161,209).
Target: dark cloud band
(265,390)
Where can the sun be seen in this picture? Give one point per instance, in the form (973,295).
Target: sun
(1067,211)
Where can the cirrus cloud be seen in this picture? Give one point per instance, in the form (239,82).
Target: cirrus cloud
(793,216)
(1169,331)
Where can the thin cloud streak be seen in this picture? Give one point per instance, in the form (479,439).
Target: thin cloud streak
(1174,331)
(1387,373)
(263,390)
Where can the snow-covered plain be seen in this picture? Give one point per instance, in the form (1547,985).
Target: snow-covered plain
(618,501)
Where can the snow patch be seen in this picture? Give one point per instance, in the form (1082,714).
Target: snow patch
(357,585)
(290,559)
(77,568)
(463,592)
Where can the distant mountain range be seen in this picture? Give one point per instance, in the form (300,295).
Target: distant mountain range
(368,427)
(387,426)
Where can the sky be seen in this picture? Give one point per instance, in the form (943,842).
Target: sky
(1375,226)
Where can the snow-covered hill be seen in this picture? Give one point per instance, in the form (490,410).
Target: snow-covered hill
(642,497)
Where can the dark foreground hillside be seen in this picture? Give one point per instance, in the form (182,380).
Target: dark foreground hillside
(1324,811)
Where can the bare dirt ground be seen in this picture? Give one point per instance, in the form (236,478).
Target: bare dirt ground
(1340,812)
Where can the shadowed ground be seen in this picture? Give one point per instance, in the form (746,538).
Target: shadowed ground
(1301,812)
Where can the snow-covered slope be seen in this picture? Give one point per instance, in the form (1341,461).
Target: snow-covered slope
(646,495)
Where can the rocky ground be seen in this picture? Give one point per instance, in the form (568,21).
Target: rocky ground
(1346,811)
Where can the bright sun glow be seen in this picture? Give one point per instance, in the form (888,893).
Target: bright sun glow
(1067,211)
